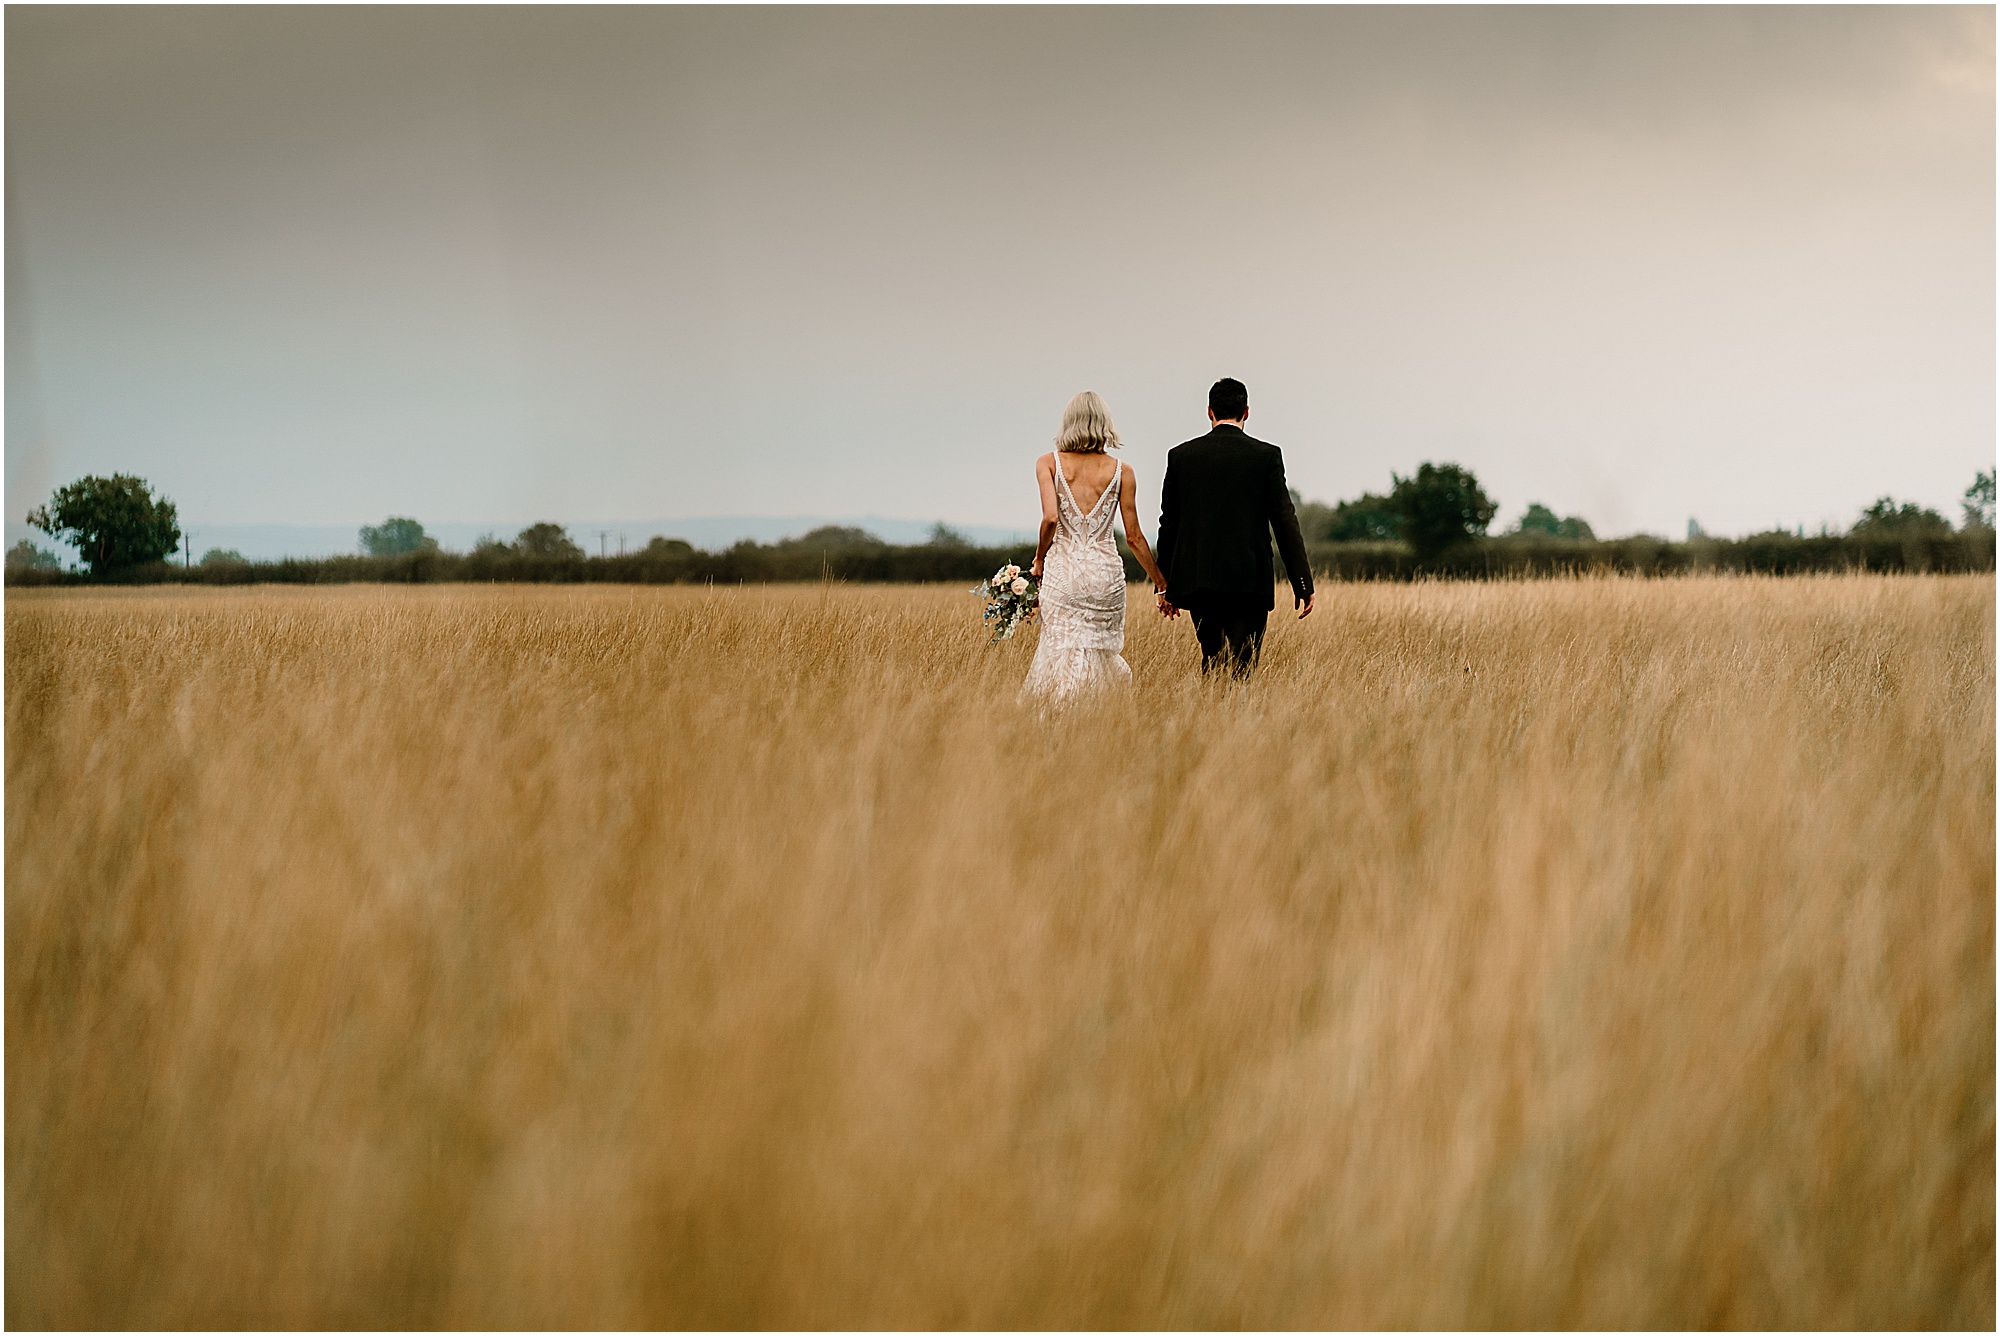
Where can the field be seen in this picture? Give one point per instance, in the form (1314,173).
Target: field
(1593,953)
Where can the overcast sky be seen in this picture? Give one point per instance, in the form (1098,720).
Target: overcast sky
(317,266)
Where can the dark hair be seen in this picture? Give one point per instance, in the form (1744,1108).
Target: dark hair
(1227,399)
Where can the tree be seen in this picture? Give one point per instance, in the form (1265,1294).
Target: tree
(25,556)
(660,546)
(395,536)
(1539,519)
(1887,519)
(113,522)
(1441,506)
(1314,517)
(547,541)
(1368,518)
(834,538)
(943,535)
(1978,503)
(223,556)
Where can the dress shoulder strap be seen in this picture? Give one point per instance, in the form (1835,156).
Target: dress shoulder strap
(1062,480)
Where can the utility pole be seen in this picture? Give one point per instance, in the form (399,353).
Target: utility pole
(601,536)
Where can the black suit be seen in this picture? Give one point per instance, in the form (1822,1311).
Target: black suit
(1223,495)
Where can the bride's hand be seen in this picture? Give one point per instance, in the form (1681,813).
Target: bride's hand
(1036,569)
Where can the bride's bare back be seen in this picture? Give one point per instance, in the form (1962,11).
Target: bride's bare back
(1087,475)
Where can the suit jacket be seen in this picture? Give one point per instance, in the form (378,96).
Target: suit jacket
(1223,495)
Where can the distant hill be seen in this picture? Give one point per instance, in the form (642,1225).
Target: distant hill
(270,542)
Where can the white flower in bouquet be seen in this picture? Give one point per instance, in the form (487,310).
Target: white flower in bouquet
(1019,586)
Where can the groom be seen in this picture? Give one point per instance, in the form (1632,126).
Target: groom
(1223,495)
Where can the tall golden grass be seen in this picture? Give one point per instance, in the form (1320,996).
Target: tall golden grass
(1578,953)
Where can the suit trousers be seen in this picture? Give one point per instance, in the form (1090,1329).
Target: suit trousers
(1231,634)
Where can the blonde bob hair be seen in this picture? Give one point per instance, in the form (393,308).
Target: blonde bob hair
(1086,426)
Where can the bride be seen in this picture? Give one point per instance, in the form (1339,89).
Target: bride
(1083,578)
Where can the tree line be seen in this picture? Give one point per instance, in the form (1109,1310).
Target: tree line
(1433,522)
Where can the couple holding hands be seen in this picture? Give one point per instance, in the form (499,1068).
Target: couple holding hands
(1223,497)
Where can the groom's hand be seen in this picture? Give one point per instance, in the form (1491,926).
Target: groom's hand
(1305,606)
(1166,609)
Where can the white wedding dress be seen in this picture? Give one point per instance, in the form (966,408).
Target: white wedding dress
(1082,609)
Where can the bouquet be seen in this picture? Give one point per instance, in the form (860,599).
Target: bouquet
(1011,598)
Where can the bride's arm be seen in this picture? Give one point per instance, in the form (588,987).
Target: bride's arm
(1135,537)
(1045,478)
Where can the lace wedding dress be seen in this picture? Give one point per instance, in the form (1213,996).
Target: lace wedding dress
(1083,601)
